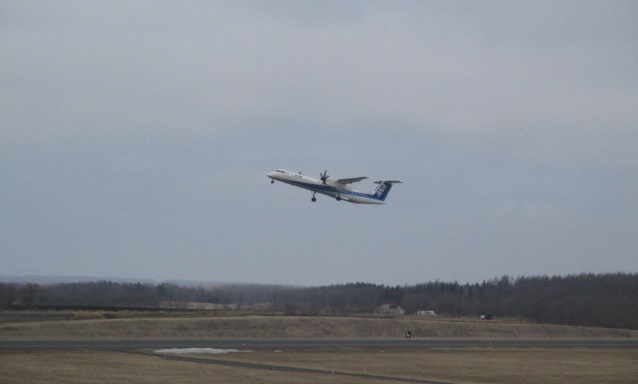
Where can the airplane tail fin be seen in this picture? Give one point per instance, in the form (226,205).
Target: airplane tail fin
(384,188)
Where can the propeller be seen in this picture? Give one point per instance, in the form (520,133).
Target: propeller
(324,176)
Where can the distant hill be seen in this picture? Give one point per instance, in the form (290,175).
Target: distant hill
(53,279)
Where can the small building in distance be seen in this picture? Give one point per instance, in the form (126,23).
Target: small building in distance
(425,313)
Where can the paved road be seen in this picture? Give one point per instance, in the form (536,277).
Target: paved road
(314,343)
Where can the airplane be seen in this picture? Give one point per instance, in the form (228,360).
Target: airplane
(340,189)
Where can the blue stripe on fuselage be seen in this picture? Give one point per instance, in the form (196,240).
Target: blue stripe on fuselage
(331,191)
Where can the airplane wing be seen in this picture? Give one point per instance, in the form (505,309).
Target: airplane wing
(351,180)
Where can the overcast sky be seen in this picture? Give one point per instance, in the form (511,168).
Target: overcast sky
(135,138)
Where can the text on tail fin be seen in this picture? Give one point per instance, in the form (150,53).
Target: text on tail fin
(384,188)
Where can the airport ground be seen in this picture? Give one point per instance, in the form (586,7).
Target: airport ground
(555,354)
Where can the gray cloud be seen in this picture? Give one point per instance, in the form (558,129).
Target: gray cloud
(134,139)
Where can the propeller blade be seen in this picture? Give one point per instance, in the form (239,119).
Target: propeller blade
(324,176)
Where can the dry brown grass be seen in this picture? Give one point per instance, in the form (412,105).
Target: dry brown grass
(524,366)
(109,367)
(469,365)
(94,325)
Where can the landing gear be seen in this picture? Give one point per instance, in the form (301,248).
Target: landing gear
(313,197)
(272,181)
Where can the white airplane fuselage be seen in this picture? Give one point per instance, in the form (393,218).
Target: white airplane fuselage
(340,189)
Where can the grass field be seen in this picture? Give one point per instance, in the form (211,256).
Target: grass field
(456,365)
(85,324)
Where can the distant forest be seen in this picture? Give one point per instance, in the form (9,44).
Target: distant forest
(607,300)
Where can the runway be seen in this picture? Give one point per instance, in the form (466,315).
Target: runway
(282,344)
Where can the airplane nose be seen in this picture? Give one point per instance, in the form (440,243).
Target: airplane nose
(276,175)
(273,175)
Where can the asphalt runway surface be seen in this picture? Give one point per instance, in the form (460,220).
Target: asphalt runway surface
(280,344)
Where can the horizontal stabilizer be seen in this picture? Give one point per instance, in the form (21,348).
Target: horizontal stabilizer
(388,182)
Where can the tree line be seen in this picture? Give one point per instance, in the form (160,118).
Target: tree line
(607,300)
